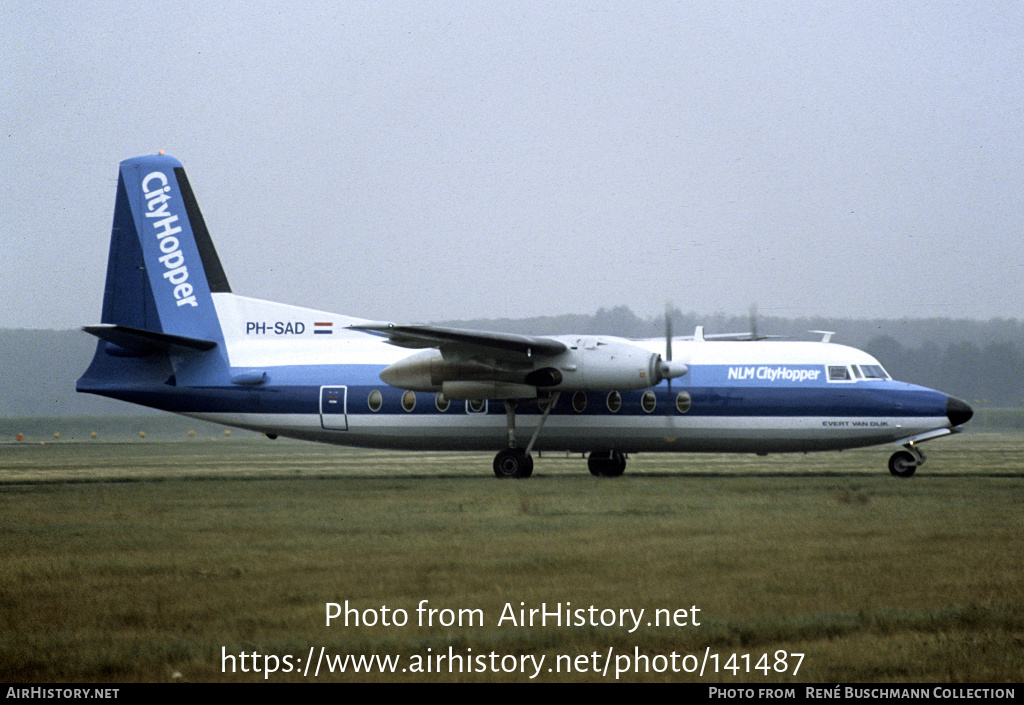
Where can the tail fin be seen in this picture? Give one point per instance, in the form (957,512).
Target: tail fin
(161,276)
(163,267)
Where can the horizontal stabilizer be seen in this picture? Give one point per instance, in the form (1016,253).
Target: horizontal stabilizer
(136,341)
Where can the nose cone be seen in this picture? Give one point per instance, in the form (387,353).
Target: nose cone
(958,412)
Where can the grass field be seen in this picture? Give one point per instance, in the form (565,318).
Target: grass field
(148,560)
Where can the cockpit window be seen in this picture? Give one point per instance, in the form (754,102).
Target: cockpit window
(874,372)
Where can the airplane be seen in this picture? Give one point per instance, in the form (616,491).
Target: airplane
(173,336)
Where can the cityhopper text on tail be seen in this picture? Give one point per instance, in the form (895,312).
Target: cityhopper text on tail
(174,337)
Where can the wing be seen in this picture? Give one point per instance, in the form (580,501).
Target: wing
(464,342)
(471,364)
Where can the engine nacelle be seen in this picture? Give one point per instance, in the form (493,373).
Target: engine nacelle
(589,364)
(600,364)
(428,371)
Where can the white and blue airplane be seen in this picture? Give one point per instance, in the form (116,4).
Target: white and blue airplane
(175,337)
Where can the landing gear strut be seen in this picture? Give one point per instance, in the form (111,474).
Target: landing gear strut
(608,463)
(904,463)
(513,461)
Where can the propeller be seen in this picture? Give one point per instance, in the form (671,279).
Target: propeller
(668,334)
(668,359)
(667,369)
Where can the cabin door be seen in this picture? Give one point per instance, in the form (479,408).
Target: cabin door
(333,412)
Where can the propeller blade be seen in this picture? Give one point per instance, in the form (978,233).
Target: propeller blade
(668,333)
(666,368)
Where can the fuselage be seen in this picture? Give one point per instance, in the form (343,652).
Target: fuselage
(173,336)
(301,373)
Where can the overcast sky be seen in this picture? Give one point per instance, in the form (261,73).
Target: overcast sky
(431,161)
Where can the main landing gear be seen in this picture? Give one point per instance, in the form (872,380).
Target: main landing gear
(517,462)
(514,461)
(904,463)
(609,463)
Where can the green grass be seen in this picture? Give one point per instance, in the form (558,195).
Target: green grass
(139,561)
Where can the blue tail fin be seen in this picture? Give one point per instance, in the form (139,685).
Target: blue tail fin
(162,274)
(163,267)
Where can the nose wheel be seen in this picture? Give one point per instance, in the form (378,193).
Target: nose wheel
(904,463)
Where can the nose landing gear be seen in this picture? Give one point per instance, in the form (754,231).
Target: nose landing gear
(904,463)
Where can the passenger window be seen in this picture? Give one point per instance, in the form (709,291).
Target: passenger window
(579,402)
(375,400)
(409,401)
(649,401)
(441,402)
(683,402)
(614,401)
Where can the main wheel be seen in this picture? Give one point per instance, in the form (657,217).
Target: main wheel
(616,464)
(902,464)
(607,463)
(513,462)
